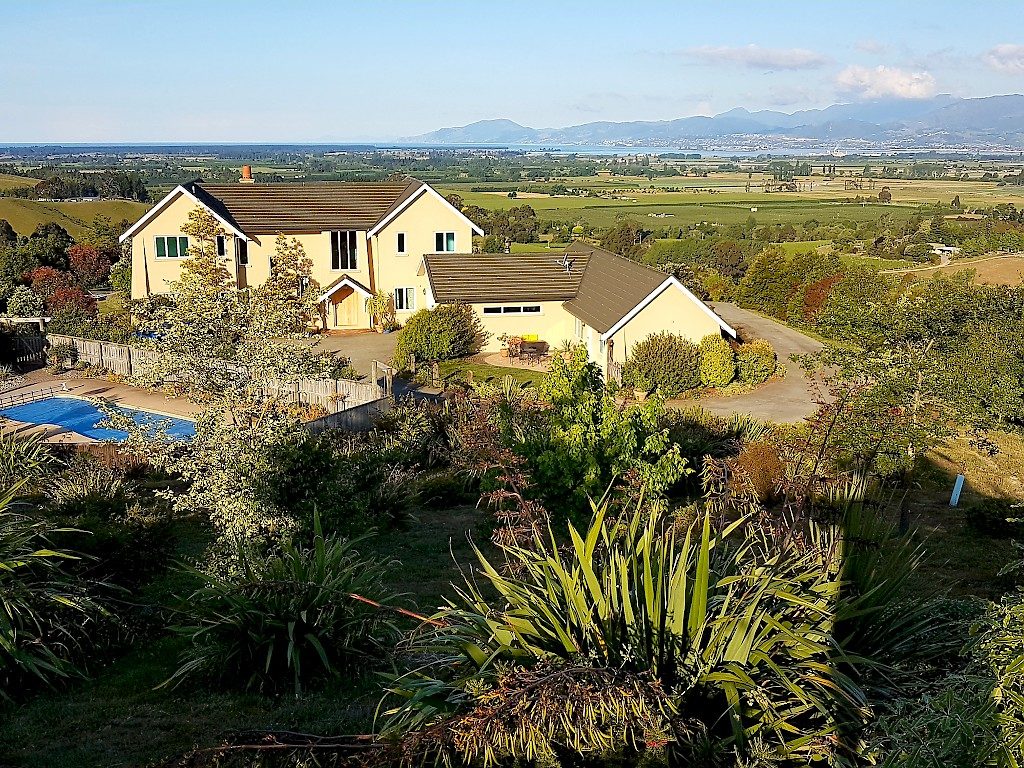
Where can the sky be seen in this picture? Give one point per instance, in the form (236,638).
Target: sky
(305,71)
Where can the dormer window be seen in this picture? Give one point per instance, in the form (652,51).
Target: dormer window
(343,250)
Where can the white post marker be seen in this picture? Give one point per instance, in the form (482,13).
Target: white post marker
(958,486)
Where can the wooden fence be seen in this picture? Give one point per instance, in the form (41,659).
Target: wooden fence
(332,395)
(29,350)
(359,418)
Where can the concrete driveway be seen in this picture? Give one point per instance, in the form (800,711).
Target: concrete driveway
(786,400)
(362,348)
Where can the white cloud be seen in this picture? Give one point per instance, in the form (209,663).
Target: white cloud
(885,82)
(756,57)
(1007,58)
(870,46)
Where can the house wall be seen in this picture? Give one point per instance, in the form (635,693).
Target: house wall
(671,312)
(420,221)
(553,325)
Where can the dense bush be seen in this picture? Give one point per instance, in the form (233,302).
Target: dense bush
(761,470)
(665,362)
(1000,648)
(288,621)
(443,333)
(756,361)
(42,611)
(999,518)
(603,670)
(24,302)
(717,362)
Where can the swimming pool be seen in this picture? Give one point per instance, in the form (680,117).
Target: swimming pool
(81,416)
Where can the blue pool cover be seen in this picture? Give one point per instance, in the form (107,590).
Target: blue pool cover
(81,416)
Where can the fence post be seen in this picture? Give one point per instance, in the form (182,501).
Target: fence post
(412,363)
(435,374)
(389,382)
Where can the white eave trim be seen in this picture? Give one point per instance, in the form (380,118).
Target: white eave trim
(345,281)
(669,282)
(168,198)
(413,198)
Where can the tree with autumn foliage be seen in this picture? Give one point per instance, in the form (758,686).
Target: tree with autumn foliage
(89,265)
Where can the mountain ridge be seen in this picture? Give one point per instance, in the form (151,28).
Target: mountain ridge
(940,121)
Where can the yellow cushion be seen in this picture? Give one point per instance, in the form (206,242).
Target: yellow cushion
(531,337)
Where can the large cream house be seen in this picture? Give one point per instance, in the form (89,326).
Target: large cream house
(406,240)
(361,237)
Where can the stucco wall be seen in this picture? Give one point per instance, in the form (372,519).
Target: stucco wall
(420,221)
(553,325)
(672,312)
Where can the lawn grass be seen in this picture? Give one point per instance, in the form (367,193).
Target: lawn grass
(484,371)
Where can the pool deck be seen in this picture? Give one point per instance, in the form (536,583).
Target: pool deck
(121,394)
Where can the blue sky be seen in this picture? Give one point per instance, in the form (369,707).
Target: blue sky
(228,70)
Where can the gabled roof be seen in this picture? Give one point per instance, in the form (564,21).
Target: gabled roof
(343,282)
(250,210)
(498,277)
(611,286)
(599,287)
(313,207)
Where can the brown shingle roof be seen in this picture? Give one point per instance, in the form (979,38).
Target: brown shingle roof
(611,286)
(313,207)
(499,277)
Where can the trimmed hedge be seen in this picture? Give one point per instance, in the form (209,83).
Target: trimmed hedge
(443,333)
(717,362)
(665,362)
(756,361)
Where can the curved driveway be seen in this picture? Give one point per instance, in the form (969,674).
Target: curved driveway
(789,399)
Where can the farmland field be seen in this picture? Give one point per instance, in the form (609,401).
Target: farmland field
(8,181)
(75,217)
(1004,270)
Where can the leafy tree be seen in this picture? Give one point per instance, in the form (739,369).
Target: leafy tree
(285,304)
(24,302)
(90,265)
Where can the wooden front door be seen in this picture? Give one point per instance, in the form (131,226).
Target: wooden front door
(345,308)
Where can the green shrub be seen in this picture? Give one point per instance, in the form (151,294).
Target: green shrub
(443,333)
(756,361)
(121,277)
(663,361)
(717,362)
(999,518)
(24,302)
(1000,648)
(62,356)
(289,620)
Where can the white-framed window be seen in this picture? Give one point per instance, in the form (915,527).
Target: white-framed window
(444,242)
(400,243)
(171,246)
(405,299)
(525,309)
(579,329)
(343,250)
(242,252)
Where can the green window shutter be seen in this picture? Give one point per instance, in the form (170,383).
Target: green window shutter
(172,247)
(183,246)
(161,248)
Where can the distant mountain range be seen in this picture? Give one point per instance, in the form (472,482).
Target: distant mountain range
(940,122)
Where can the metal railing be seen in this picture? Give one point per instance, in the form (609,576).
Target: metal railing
(22,398)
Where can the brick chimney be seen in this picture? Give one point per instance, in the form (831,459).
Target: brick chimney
(246,175)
